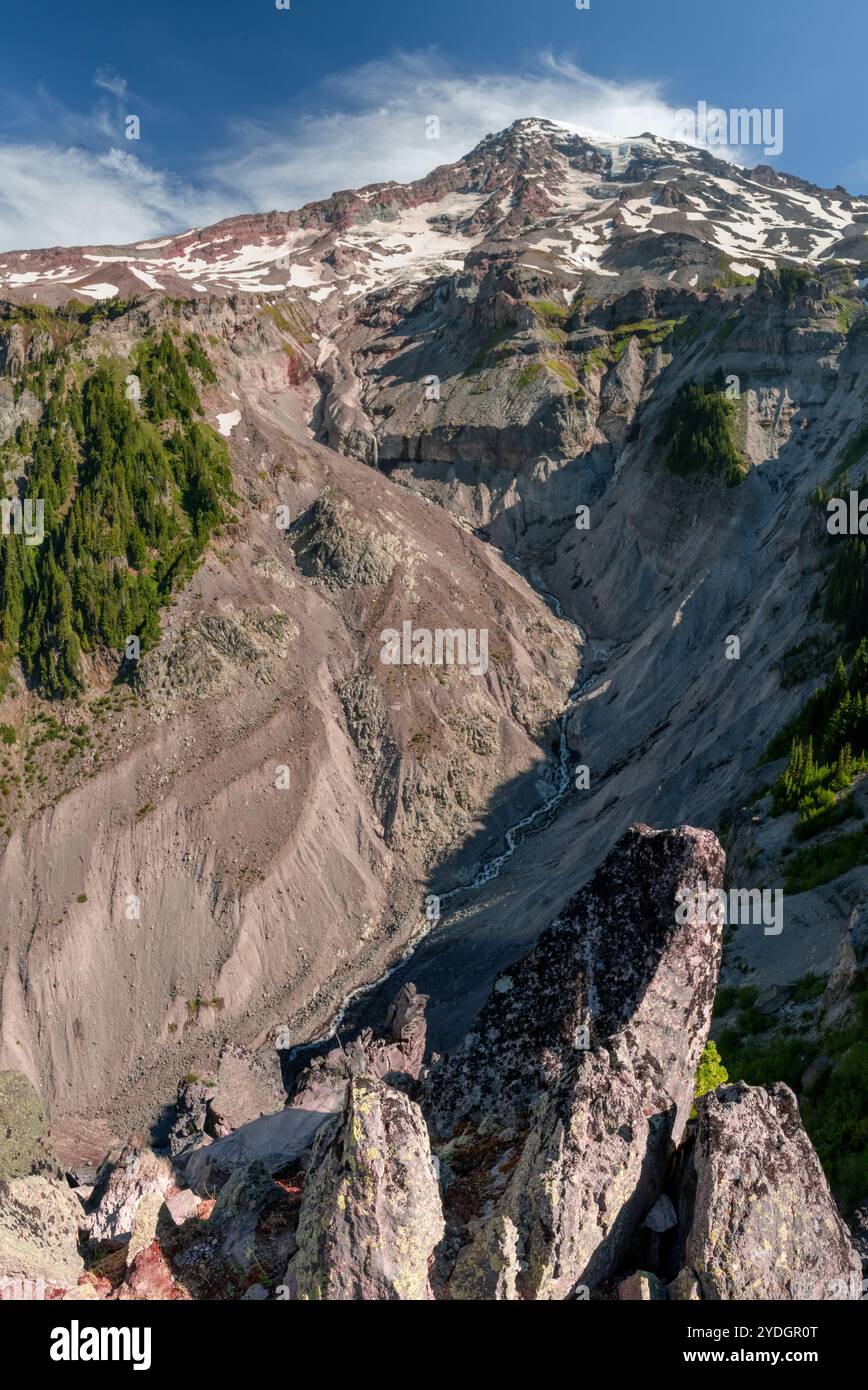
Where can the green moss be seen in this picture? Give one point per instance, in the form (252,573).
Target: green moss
(528,375)
(549,311)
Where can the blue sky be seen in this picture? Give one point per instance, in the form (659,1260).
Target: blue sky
(244,106)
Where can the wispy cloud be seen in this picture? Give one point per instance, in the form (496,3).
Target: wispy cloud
(52,196)
(362,126)
(370,124)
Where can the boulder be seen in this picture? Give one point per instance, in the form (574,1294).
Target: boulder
(764,1225)
(138,1173)
(39,1232)
(249,1222)
(642,1287)
(248,1085)
(191,1113)
(370,1215)
(39,1215)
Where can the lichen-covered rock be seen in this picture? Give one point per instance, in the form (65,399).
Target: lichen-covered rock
(138,1173)
(581,1183)
(371,1214)
(488,1269)
(584,1061)
(24,1143)
(628,965)
(39,1229)
(764,1223)
(241,1214)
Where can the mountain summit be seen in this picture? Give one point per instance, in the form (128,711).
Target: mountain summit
(580,205)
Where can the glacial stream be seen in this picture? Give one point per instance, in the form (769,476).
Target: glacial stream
(492,865)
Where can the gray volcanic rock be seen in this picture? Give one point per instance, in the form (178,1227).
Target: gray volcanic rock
(188,1127)
(138,1173)
(248,1085)
(371,1214)
(616,964)
(584,1060)
(764,1223)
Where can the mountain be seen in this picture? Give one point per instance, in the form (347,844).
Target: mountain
(585,397)
(580,208)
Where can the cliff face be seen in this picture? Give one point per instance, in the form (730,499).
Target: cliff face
(551,1157)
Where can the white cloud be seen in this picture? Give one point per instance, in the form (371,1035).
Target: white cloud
(371,124)
(51,196)
(366,125)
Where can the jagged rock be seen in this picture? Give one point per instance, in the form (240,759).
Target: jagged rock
(243,1207)
(39,1227)
(584,1058)
(764,1223)
(24,1144)
(138,1173)
(248,1086)
(488,1269)
(616,967)
(188,1127)
(685,1287)
(642,1287)
(859,1235)
(286,1137)
(145,1223)
(150,1279)
(332,545)
(370,1216)
(661,1217)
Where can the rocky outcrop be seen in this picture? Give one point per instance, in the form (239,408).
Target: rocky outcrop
(371,1214)
(764,1223)
(25,1148)
(137,1173)
(563,1105)
(248,1085)
(39,1215)
(39,1233)
(281,1139)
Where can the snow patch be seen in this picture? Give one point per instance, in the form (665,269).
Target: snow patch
(227,421)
